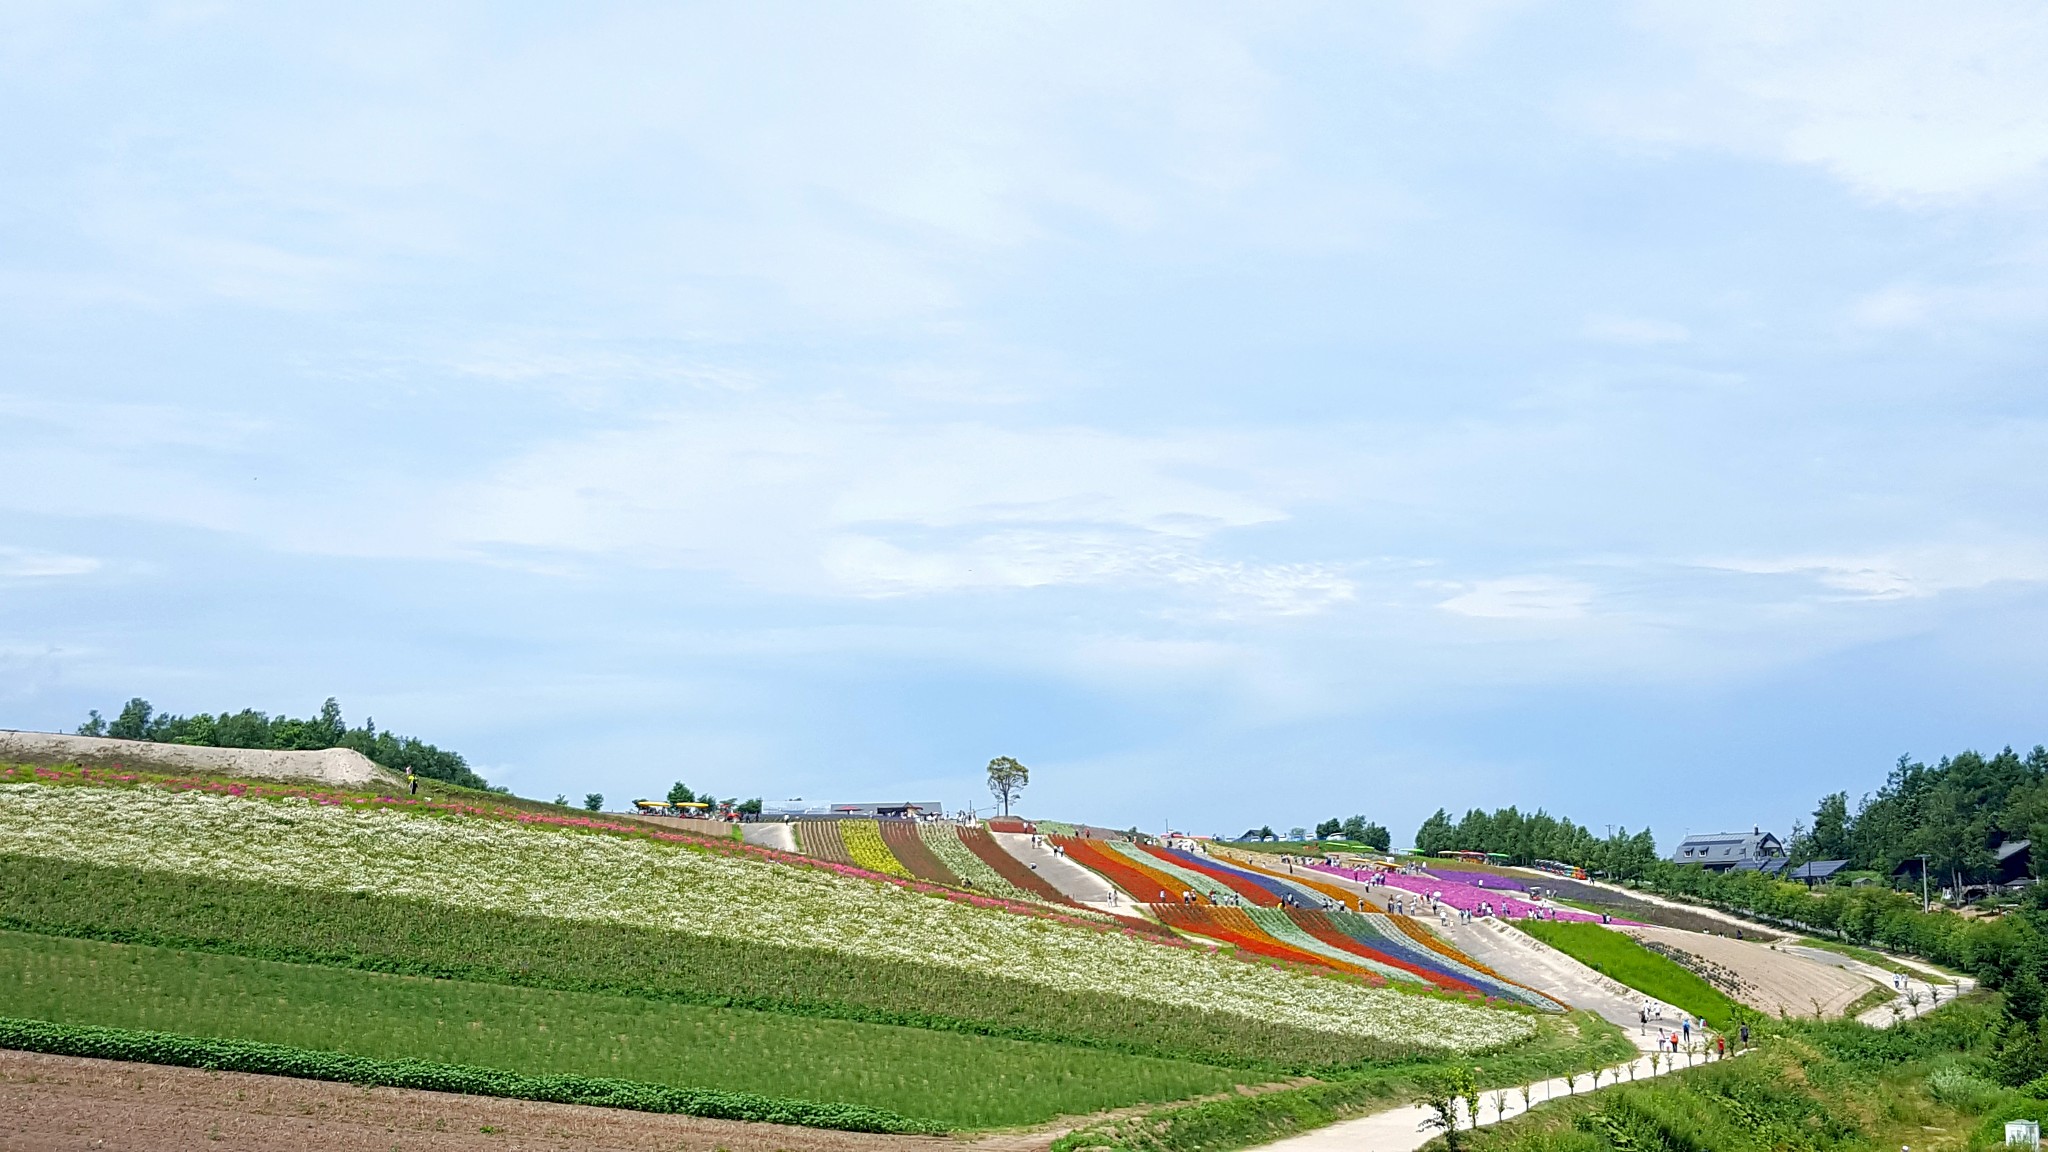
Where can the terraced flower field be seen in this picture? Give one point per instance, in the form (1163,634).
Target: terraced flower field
(566,874)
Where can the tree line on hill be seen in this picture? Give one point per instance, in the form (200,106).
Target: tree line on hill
(138,720)
(1525,838)
(1956,812)
(1354,829)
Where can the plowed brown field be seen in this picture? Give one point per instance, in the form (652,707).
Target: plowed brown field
(63,1102)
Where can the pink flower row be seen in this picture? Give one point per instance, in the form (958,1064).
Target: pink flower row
(1466,897)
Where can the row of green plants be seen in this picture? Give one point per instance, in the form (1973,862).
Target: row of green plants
(1810,1087)
(961,1081)
(283,1060)
(366,931)
(1574,1044)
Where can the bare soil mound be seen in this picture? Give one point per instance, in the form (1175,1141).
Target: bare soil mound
(340,766)
(1759,975)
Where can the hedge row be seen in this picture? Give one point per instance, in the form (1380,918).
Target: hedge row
(306,1064)
(382,934)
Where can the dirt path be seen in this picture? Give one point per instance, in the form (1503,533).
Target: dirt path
(1907,990)
(64,1102)
(1400,1129)
(781,837)
(1074,882)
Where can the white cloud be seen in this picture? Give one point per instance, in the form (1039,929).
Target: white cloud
(1635,330)
(1905,574)
(1522,598)
(1903,102)
(837,500)
(25,563)
(1030,559)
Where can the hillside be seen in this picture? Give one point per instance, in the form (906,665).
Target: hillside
(587,948)
(900,978)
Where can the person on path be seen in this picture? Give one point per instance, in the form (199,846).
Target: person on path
(1642,1021)
(1720,1047)
(411,781)
(1687,1025)
(1745,1035)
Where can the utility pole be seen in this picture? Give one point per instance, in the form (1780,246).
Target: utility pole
(1923,882)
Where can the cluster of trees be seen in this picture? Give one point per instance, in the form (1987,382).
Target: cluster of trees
(1525,838)
(1956,812)
(252,729)
(681,793)
(1356,829)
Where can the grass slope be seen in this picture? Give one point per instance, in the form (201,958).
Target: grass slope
(1617,956)
(363,931)
(960,1081)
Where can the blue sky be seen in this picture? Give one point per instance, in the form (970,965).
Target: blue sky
(1240,414)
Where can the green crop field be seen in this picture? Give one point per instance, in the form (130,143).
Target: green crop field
(364,931)
(957,1080)
(1615,955)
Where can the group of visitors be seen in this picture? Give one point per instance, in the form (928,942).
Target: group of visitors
(1038,841)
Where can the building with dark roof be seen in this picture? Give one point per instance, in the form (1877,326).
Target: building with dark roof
(1816,871)
(2015,860)
(1720,851)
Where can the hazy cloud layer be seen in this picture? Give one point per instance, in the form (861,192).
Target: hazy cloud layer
(1376,409)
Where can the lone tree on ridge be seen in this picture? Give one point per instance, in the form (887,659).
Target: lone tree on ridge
(1006,778)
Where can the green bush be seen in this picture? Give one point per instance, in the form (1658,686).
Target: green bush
(1957,1088)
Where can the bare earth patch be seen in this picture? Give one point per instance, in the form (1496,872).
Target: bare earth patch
(65,1102)
(1759,975)
(340,766)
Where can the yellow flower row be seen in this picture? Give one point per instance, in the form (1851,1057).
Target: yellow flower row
(864,843)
